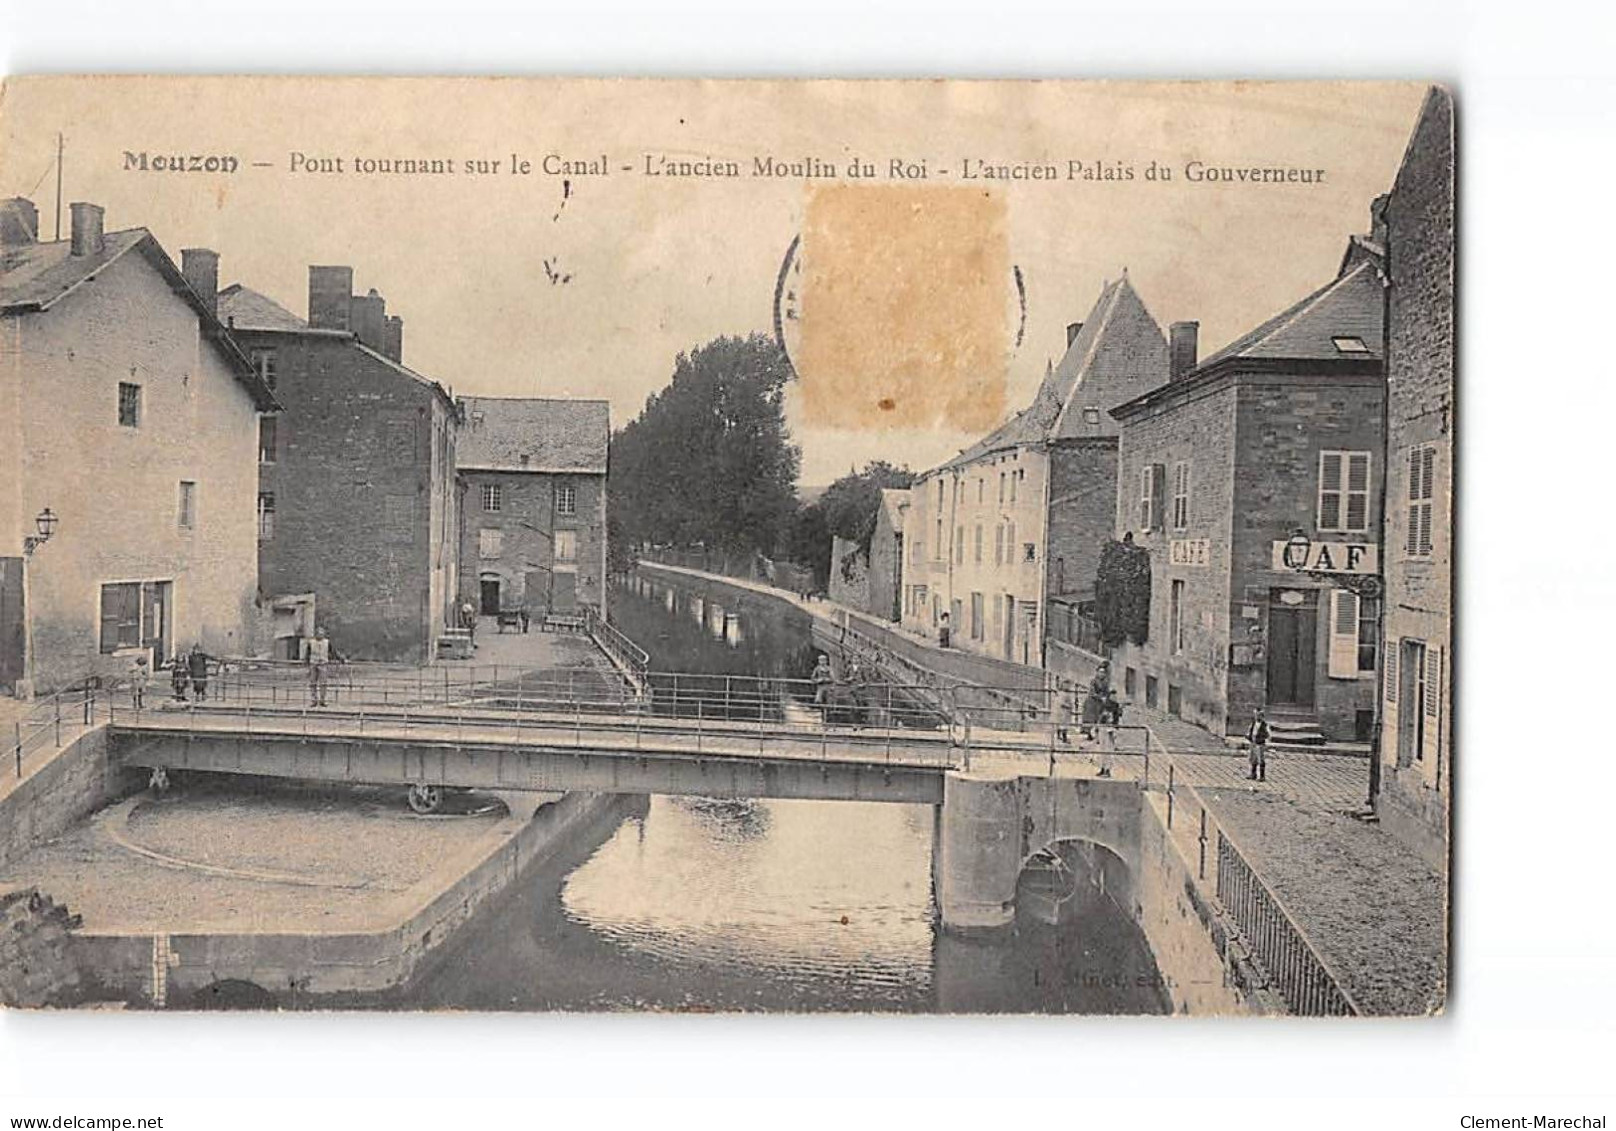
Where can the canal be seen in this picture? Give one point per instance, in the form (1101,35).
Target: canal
(693,904)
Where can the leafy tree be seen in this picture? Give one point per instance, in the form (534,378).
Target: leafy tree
(1122,593)
(852,502)
(709,460)
(808,543)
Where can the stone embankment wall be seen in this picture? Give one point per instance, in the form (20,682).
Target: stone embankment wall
(80,779)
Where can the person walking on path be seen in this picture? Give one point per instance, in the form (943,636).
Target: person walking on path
(197,664)
(1257,742)
(1099,693)
(318,656)
(468,620)
(943,632)
(139,678)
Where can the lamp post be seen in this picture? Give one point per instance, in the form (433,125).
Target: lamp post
(1366,587)
(45,523)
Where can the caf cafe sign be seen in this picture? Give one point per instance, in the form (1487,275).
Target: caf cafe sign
(1299,555)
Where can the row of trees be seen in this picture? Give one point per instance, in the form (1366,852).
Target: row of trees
(709,461)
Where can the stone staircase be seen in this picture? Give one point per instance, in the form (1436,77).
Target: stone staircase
(1297,732)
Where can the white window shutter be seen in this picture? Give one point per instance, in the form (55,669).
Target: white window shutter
(1433,705)
(1343,634)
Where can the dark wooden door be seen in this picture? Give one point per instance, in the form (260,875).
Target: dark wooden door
(490,595)
(1292,630)
(565,598)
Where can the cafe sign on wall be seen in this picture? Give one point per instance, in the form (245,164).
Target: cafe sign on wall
(1326,557)
(1189,551)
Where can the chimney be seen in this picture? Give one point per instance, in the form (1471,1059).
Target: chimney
(200,267)
(19,222)
(394,338)
(1073,329)
(330,295)
(368,319)
(89,237)
(1182,343)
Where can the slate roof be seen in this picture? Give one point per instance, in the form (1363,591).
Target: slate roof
(37,276)
(556,435)
(1119,353)
(242,308)
(1349,306)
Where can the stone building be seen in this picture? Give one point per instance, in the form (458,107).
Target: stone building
(129,414)
(1016,521)
(873,581)
(533,502)
(1416,727)
(356,499)
(1278,435)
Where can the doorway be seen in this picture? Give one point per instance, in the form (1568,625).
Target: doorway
(490,596)
(564,599)
(1293,617)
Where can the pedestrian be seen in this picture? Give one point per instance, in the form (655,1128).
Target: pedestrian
(197,664)
(468,620)
(182,679)
(1110,720)
(139,677)
(318,656)
(1257,744)
(943,631)
(1068,709)
(523,614)
(1099,692)
(823,677)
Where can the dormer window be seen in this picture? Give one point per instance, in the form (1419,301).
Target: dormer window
(1351,345)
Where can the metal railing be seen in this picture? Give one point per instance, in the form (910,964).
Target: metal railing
(52,721)
(1295,966)
(630,658)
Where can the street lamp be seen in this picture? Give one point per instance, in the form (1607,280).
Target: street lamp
(45,522)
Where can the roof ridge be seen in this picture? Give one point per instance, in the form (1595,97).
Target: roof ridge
(1113,292)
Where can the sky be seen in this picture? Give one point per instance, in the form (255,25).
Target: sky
(510,287)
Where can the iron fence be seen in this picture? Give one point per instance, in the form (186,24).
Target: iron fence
(54,720)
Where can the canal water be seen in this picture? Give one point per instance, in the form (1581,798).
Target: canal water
(696,904)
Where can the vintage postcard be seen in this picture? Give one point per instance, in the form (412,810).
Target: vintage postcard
(913,546)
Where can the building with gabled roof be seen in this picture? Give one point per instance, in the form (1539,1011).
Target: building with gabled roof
(356,475)
(129,418)
(1252,479)
(533,502)
(1016,520)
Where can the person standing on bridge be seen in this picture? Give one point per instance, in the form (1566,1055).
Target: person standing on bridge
(318,656)
(139,677)
(1257,743)
(823,677)
(197,664)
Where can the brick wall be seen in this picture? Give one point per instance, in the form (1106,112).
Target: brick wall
(116,489)
(362,482)
(1082,513)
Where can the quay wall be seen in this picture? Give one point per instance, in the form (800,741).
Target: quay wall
(152,969)
(58,792)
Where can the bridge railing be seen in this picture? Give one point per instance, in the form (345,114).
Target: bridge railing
(52,722)
(1293,964)
(633,660)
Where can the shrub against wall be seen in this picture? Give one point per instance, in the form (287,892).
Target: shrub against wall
(1122,593)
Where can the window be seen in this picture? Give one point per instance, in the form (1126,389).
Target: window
(490,542)
(128,404)
(981,485)
(978,542)
(1091,416)
(1181,495)
(1001,486)
(1009,543)
(566,545)
(1344,491)
(493,497)
(187,505)
(1152,482)
(263,363)
(1353,635)
(976,616)
(1421,494)
(120,616)
(266,516)
(1029,551)
(1368,634)
(1350,345)
(959,545)
(1175,626)
(1013,479)
(268,432)
(998,544)
(566,499)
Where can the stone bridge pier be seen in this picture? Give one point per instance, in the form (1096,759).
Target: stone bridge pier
(988,827)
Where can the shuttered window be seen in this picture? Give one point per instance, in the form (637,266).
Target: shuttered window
(1421,493)
(978,541)
(1152,487)
(998,544)
(1391,672)
(1181,495)
(1344,629)
(1344,492)
(120,616)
